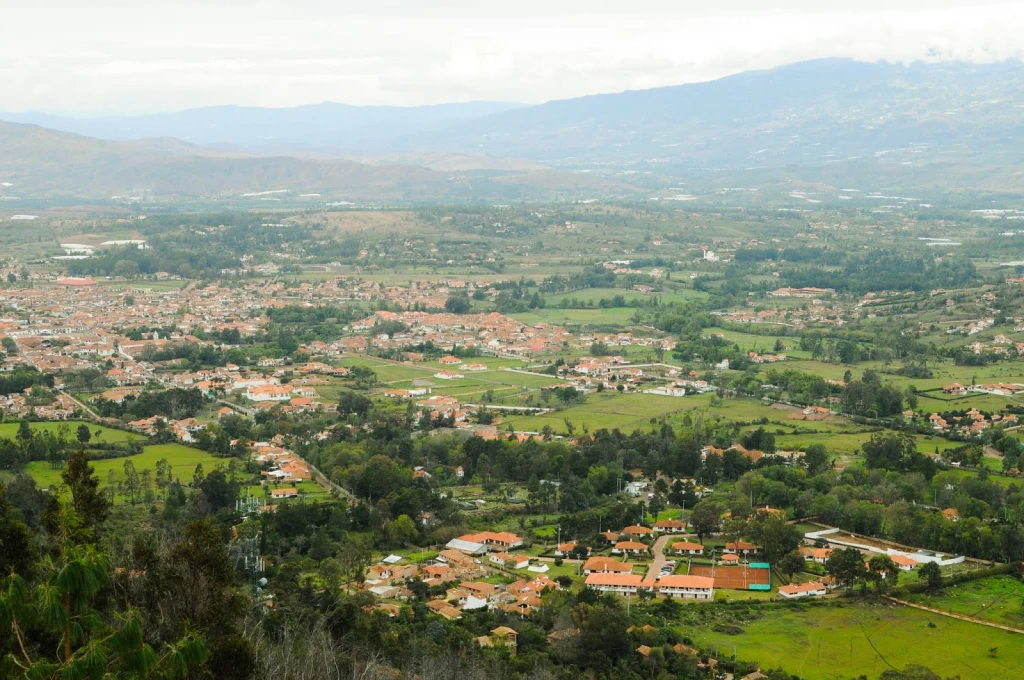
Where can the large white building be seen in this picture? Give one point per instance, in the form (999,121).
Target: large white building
(623,584)
(686,587)
(269,393)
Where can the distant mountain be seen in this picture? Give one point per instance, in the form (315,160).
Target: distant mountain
(807,113)
(827,123)
(317,127)
(37,162)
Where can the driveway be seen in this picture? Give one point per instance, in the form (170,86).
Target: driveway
(658,550)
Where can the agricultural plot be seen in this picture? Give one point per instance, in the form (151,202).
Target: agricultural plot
(846,641)
(607,411)
(106,434)
(577,317)
(183,460)
(595,295)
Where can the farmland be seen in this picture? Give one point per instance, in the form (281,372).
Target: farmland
(846,641)
(183,461)
(997,599)
(99,433)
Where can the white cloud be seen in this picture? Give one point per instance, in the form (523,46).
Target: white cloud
(119,57)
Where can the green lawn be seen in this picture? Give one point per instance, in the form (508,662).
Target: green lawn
(568,317)
(833,642)
(605,410)
(726,595)
(109,435)
(183,460)
(997,599)
(596,294)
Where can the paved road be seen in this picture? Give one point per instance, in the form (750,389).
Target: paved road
(82,405)
(658,549)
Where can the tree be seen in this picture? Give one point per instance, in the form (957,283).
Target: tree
(883,572)
(402,530)
(330,574)
(656,505)
(816,458)
(163,475)
(219,490)
(128,269)
(24,432)
(457,304)
(790,564)
(61,608)
(83,483)
(353,403)
(932,573)
(706,519)
(84,434)
(132,481)
(846,566)
(354,556)
(776,537)
(15,540)
(198,476)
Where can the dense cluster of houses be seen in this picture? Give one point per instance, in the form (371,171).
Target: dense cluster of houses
(973,423)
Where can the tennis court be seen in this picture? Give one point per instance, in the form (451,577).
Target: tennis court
(755,576)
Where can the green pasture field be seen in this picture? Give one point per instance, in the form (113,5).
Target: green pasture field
(727,595)
(183,460)
(832,642)
(848,442)
(998,479)
(596,294)
(762,343)
(567,317)
(604,411)
(307,490)
(108,435)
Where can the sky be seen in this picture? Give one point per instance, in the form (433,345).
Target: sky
(112,57)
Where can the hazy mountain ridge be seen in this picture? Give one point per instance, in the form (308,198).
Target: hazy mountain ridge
(947,126)
(39,162)
(314,127)
(779,116)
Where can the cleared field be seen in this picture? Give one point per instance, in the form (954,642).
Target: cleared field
(183,462)
(106,434)
(833,642)
(997,599)
(848,442)
(596,294)
(586,317)
(608,411)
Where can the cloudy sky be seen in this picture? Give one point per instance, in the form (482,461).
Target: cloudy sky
(93,57)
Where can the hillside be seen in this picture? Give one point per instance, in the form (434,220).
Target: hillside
(812,112)
(825,124)
(38,162)
(314,127)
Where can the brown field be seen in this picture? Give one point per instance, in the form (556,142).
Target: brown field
(355,221)
(735,578)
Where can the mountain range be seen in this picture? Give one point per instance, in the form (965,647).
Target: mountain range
(950,126)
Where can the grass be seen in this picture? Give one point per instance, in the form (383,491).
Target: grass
(183,460)
(571,317)
(605,410)
(108,435)
(832,642)
(996,599)
(726,595)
